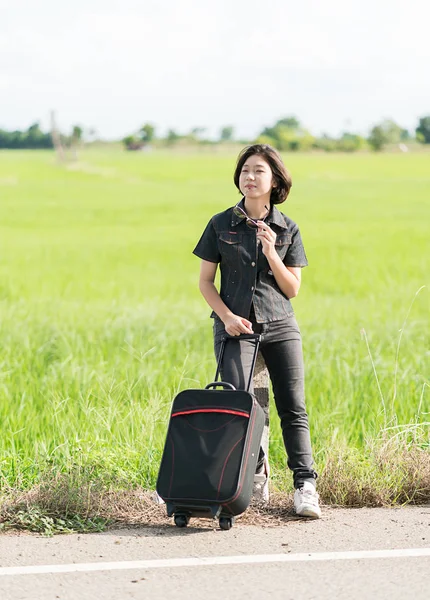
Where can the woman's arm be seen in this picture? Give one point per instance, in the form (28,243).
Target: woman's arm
(287,278)
(234,324)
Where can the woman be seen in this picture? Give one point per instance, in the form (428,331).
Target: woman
(260,253)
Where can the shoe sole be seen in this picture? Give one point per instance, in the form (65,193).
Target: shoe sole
(311,513)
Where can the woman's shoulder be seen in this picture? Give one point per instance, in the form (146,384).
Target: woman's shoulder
(283,220)
(222,218)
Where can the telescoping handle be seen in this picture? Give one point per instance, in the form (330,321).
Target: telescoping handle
(255,337)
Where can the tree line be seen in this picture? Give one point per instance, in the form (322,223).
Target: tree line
(286,134)
(34,138)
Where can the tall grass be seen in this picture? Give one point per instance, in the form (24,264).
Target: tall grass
(102,323)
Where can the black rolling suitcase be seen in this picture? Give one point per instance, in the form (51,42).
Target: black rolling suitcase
(211,450)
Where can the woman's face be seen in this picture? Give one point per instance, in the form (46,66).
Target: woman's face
(256,177)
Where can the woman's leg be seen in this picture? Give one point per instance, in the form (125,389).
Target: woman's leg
(236,364)
(282,351)
(237,358)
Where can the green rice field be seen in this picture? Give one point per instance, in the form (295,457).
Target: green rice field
(102,322)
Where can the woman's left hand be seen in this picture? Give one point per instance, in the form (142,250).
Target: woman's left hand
(267,238)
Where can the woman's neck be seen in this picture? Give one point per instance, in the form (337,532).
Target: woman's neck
(256,208)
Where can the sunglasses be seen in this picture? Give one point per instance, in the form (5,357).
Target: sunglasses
(239,212)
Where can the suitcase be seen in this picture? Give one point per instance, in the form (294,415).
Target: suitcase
(211,450)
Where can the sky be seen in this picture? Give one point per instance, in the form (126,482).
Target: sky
(115,65)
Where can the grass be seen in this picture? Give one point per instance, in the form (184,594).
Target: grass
(102,322)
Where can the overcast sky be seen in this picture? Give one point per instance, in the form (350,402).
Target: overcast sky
(114,65)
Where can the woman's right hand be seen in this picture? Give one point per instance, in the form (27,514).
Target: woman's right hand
(235,325)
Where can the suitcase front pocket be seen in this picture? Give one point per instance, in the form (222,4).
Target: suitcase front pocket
(203,454)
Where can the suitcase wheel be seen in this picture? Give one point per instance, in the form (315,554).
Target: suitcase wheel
(226,523)
(181,520)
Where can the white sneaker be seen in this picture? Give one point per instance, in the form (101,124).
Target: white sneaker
(260,490)
(157,499)
(306,501)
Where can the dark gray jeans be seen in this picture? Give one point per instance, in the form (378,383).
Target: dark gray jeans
(281,347)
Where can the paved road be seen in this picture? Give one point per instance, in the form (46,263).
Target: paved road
(295,574)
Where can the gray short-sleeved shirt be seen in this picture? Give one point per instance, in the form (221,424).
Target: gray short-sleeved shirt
(246,277)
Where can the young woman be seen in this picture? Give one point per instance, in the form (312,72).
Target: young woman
(260,254)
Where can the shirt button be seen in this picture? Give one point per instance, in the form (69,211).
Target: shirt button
(253,264)
(252,289)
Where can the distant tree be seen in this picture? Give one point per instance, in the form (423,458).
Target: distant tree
(31,139)
(377,138)
(77,132)
(197,132)
(423,130)
(7,138)
(195,136)
(386,132)
(405,135)
(132,143)
(34,136)
(226,133)
(392,131)
(265,139)
(172,136)
(305,140)
(286,138)
(147,133)
(287,123)
(350,142)
(288,134)
(75,140)
(19,139)
(326,143)
(271,133)
(290,122)
(128,141)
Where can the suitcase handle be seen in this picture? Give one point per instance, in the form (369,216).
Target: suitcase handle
(224,384)
(256,337)
(243,336)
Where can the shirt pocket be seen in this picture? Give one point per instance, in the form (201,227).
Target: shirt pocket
(229,246)
(283,242)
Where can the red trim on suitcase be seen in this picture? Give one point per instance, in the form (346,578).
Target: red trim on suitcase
(226,411)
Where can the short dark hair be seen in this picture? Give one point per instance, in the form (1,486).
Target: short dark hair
(280,173)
